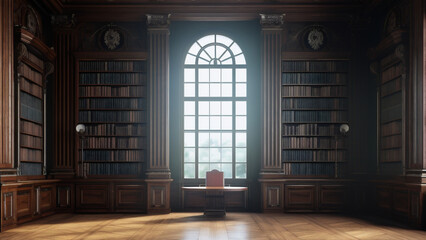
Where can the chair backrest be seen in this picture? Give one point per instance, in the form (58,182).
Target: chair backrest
(214,178)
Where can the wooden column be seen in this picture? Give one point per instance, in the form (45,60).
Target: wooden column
(271,92)
(7,145)
(64,134)
(158,170)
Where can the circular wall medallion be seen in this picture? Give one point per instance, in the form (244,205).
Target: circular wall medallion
(315,38)
(112,39)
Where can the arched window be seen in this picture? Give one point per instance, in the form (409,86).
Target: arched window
(215,108)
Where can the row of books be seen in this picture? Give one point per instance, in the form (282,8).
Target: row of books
(114,155)
(116,142)
(113,78)
(113,103)
(391,114)
(309,169)
(313,155)
(31,128)
(32,88)
(391,155)
(391,100)
(314,116)
(393,141)
(30,74)
(112,116)
(30,155)
(314,78)
(112,91)
(87,169)
(31,107)
(117,129)
(309,129)
(392,72)
(321,103)
(125,66)
(389,59)
(311,142)
(34,59)
(31,141)
(315,66)
(390,87)
(311,91)
(391,128)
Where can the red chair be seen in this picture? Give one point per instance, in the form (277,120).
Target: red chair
(215,178)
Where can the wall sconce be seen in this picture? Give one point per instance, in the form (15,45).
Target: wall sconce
(81,131)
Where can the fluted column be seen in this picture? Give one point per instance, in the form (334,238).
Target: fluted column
(158,170)
(6,88)
(271,92)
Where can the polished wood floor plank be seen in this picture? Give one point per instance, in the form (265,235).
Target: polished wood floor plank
(195,226)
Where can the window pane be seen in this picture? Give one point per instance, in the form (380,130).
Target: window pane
(189,108)
(240,155)
(226,75)
(235,49)
(240,90)
(203,108)
(203,75)
(227,170)
(189,59)
(224,40)
(189,155)
(215,90)
(226,58)
(206,40)
(205,56)
(202,169)
(215,75)
(189,75)
(240,170)
(195,48)
(241,108)
(189,123)
(226,90)
(227,139)
(219,51)
(189,139)
(203,90)
(203,123)
(214,108)
(226,154)
(214,154)
(215,123)
(241,123)
(226,123)
(203,154)
(215,139)
(203,139)
(240,59)
(202,61)
(189,170)
(227,108)
(210,51)
(216,166)
(189,90)
(240,75)
(240,139)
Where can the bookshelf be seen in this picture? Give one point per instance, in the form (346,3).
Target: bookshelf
(314,104)
(112,105)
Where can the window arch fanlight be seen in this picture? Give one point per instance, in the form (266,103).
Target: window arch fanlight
(215,108)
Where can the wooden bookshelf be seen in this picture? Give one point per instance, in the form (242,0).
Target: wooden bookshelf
(314,104)
(112,105)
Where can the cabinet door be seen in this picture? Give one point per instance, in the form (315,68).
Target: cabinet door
(46,198)
(299,198)
(24,204)
(331,197)
(130,198)
(8,208)
(92,198)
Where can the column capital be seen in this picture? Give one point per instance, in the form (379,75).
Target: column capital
(272,20)
(158,20)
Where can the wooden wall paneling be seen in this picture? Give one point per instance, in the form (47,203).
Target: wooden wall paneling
(300,198)
(384,198)
(92,197)
(401,201)
(272,197)
(130,198)
(8,208)
(25,204)
(271,92)
(194,200)
(64,195)
(47,199)
(331,197)
(6,86)
(235,200)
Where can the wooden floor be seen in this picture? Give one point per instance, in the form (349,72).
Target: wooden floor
(196,226)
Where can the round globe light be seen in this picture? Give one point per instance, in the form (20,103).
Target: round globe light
(344,128)
(80,128)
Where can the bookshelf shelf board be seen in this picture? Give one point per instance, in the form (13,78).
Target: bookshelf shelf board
(314,72)
(337,122)
(391,79)
(307,135)
(315,109)
(110,122)
(102,161)
(31,147)
(390,148)
(109,97)
(29,120)
(314,97)
(32,65)
(113,109)
(317,148)
(390,135)
(390,94)
(113,85)
(32,81)
(110,149)
(390,64)
(321,161)
(29,161)
(30,93)
(115,136)
(313,84)
(31,134)
(389,121)
(108,71)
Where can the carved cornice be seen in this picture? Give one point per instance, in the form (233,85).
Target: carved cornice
(158,21)
(63,21)
(272,20)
